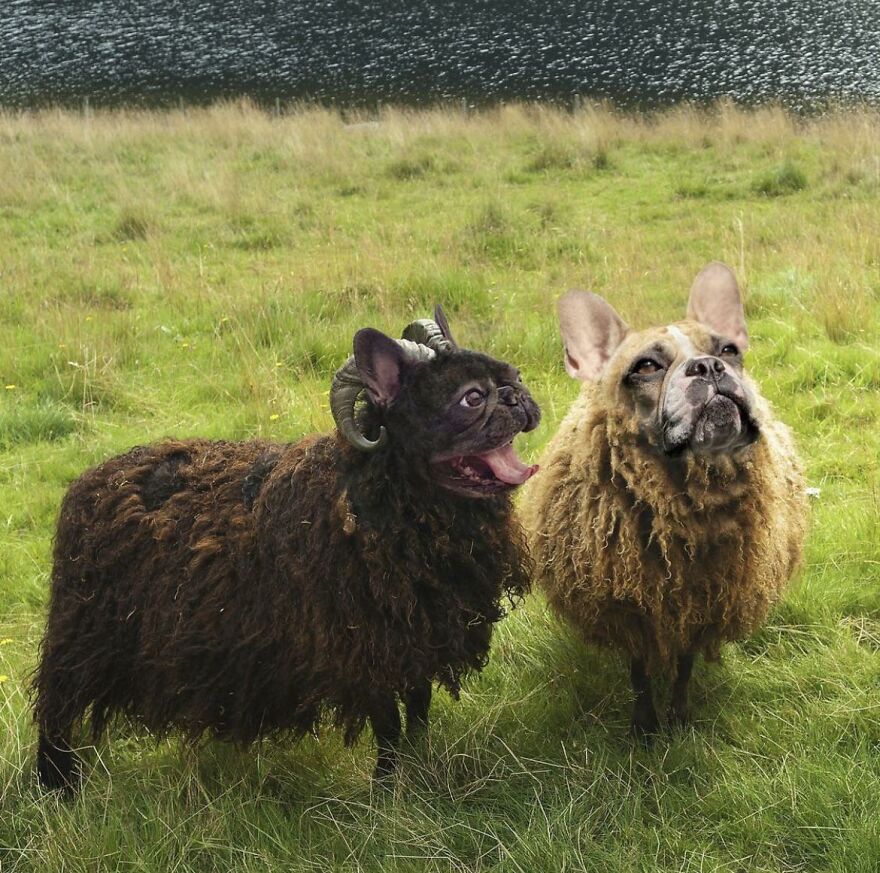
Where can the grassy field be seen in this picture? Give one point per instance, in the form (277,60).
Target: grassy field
(203,274)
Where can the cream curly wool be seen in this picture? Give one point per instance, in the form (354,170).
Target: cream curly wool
(653,555)
(653,563)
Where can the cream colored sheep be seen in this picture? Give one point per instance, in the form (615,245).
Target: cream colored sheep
(671,508)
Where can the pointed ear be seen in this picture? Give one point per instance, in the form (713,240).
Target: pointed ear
(715,302)
(379,361)
(591,331)
(443,324)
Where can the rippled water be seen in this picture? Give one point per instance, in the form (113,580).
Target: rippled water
(801,52)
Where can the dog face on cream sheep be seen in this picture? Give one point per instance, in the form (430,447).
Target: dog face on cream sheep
(671,508)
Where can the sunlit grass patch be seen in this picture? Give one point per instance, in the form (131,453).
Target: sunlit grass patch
(497,235)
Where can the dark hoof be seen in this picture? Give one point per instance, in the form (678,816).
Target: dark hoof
(417,731)
(644,726)
(383,780)
(383,775)
(58,768)
(642,735)
(678,717)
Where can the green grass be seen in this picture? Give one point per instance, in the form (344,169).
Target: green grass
(203,274)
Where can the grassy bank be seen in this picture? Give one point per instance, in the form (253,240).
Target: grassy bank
(203,274)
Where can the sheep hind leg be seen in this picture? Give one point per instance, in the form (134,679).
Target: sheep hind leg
(58,766)
(385,719)
(679,712)
(644,716)
(418,702)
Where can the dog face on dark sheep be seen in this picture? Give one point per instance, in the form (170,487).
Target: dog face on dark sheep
(453,414)
(681,385)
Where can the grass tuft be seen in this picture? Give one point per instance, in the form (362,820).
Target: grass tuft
(404,169)
(132,226)
(788,178)
(45,421)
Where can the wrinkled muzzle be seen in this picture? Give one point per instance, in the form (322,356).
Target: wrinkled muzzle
(706,408)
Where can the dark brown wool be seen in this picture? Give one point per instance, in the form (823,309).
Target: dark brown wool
(251,589)
(237,588)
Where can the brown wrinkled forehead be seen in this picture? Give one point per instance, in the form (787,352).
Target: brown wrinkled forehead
(679,339)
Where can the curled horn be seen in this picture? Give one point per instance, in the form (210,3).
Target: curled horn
(344,392)
(443,324)
(347,386)
(433,333)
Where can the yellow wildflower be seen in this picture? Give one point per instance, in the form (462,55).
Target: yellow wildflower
(5,641)
(3,678)
(10,387)
(274,416)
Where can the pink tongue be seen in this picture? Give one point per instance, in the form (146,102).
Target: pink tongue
(507,466)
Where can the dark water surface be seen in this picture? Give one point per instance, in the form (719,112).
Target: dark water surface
(800,52)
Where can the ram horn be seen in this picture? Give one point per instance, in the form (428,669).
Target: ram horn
(433,333)
(443,324)
(347,387)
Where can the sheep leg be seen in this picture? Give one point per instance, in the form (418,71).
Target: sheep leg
(58,767)
(385,719)
(678,709)
(644,716)
(418,702)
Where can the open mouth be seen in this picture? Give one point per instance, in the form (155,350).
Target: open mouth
(485,473)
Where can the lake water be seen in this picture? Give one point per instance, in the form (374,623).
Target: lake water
(800,52)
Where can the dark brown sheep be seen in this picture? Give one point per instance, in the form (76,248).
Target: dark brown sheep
(253,589)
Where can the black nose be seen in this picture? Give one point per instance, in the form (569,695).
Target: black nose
(507,394)
(707,367)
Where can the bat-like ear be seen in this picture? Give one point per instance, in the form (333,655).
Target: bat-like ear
(380,361)
(443,324)
(591,332)
(715,302)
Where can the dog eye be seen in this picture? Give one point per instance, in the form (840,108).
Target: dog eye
(646,366)
(730,349)
(473,398)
